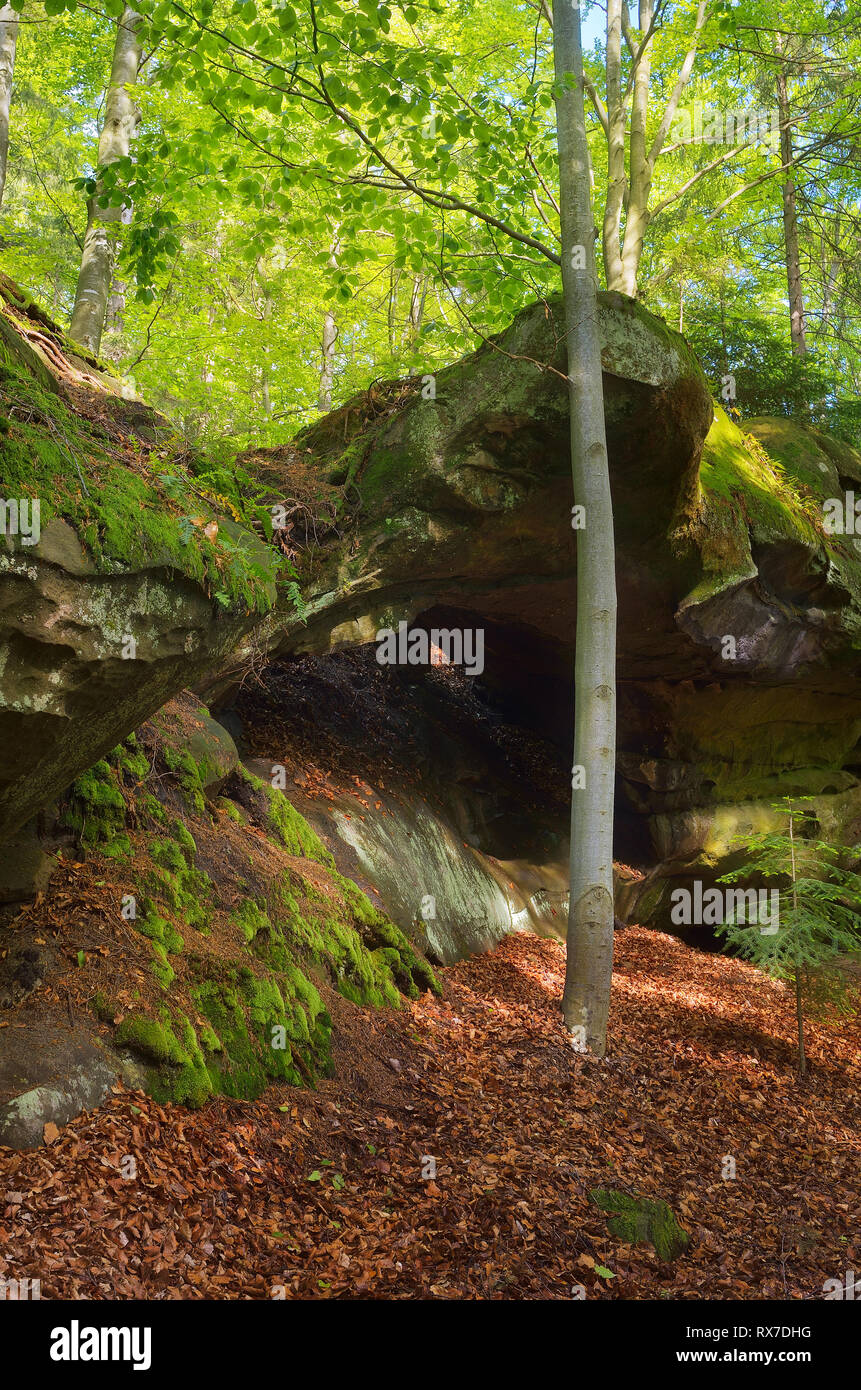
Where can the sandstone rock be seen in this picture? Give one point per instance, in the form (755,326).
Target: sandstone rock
(114,600)
(462,518)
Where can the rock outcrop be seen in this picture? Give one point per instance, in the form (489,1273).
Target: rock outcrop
(450,503)
(447,501)
(120,580)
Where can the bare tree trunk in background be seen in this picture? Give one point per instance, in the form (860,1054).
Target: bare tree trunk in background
(797,325)
(629,186)
(417,308)
(121,119)
(830,275)
(642,164)
(589,970)
(617,181)
(330,337)
(391,311)
(264,370)
(8,42)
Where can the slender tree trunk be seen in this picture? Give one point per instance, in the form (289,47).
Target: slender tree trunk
(830,274)
(590,917)
(330,337)
(797,325)
(417,308)
(8,42)
(637,213)
(799,1008)
(121,120)
(327,365)
(617,183)
(264,370)
(391,312)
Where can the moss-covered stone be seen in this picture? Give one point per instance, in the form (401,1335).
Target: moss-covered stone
(292,830)
(96,811)
(182,889)
(125,518)
(188,775)
(635,1219)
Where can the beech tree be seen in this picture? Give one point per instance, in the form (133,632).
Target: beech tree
(790,212)
(590,916)
(8,42)
(624,118)
(120,122)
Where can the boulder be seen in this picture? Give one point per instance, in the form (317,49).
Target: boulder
(739,614)
(119,582)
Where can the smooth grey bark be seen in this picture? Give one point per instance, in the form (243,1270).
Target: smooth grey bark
(327,364)
(629,185)
(121,120)
(327,346)
(8,44)
(417,308)
(589,969)
(797,325)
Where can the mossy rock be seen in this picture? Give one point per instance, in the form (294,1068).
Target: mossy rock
(96,811)
(642,1219)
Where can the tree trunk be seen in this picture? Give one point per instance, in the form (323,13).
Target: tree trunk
(417,308)
(265,382)
(327,366)
(799,1005)
(590,917)
(617,183)
(330,337)
(121,119)
(797,325)
(637,212)
(8,41)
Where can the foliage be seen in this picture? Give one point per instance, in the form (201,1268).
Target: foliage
(394,165)
(819,912)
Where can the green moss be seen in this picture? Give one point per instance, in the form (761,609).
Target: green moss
(161,966)
(763,487)
(103,1007)
(158,929)
(130,761)
(180,762)
(96,811)
(154,1040)
(124,518)
(292,830)
(251,919)
(209,1039)
(258,1022)
(182,888)
(152,807)
(635,1219)
(367,958)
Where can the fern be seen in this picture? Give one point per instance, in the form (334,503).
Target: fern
(819,914)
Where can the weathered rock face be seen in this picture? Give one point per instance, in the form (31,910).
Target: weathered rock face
(109,600)
(466,498)
(739,617)
(70,687)
(451,820)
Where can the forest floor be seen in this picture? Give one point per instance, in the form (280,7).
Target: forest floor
(327,1193)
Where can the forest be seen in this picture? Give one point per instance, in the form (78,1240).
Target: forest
(430,639)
